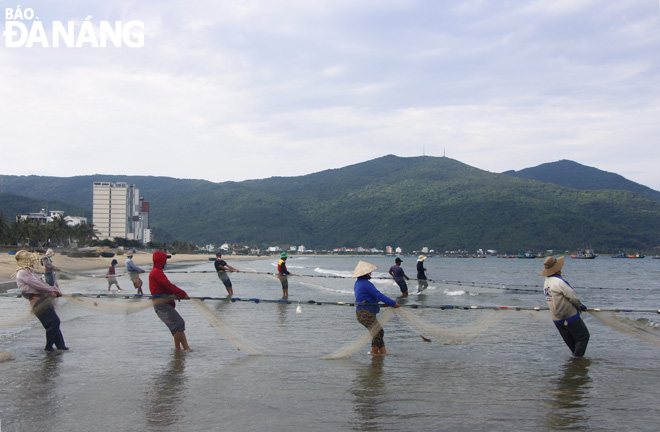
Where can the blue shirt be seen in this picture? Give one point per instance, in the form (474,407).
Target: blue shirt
(366,292)
(398,272)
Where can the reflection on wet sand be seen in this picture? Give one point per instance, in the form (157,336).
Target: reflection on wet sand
(368,389)
(167,394)
(570,396)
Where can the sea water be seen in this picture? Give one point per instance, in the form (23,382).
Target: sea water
(122,373)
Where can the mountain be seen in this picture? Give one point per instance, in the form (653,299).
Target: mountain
(574,175)
(408,202)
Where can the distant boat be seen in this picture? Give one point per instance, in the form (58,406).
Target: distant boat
(107,254)
(623,255)
(211,259)
(587,254)
(527,255)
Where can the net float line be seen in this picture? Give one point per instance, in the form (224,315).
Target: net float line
(341,303)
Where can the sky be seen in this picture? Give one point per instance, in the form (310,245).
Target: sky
(229,90)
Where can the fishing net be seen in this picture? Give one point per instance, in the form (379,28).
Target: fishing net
(455,334)
(119,305)
(366,337)
(626,327)
(224,329)
(11,322)
(543,315)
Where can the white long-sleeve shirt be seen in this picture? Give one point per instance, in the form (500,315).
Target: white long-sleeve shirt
(561,298)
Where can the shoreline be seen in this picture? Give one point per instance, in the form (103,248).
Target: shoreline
(76,264)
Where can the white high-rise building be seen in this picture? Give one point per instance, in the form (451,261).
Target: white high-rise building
(117,211)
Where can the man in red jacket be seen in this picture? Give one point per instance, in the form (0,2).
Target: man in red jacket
(160,285)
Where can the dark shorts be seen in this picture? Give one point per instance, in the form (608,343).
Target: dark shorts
(224,278)
(170,317)
(402,285)
(285,282)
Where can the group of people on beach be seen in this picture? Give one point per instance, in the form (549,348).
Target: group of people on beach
(562,300)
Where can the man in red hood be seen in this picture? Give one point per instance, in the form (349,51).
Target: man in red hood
(160,285)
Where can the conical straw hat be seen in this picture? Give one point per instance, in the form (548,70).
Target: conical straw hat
(363,268)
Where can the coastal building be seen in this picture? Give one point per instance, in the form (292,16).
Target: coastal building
(44,217)
(120,211)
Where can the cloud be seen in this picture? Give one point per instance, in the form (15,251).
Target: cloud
(230,90)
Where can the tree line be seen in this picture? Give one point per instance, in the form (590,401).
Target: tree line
(29,232)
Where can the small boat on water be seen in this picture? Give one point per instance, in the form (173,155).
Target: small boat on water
(107,254)
(623,255)
(586,254)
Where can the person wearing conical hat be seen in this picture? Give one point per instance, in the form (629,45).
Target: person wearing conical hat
(49,268)
(565,307)
(134,272)
(422,282)
(40,295)
(366,304)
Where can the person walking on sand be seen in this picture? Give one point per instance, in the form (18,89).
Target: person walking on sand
(565,307)
(283,274)
(40,295)
(422,282)
(134,272)
(111,275)
(221,267)
(49,268)
(396,271)
(160,286)
(367,297)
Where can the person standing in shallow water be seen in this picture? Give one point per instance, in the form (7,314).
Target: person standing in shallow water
(112,279)
(283,275)
(367,297)
(422,282)
(565,307)
(221,267)
(160,285)
(49,268)
(396,271)
(134,272)
(40,295)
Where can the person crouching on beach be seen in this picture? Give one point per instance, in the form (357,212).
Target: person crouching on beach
(40,295)
(366,304)
(565,307)
(160,285)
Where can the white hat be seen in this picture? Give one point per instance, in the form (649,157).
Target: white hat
(50,253)
(363,268)
(421,258)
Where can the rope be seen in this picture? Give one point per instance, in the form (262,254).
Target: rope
(342,303)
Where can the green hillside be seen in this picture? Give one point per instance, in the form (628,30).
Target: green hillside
(572,174)
(409,202)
